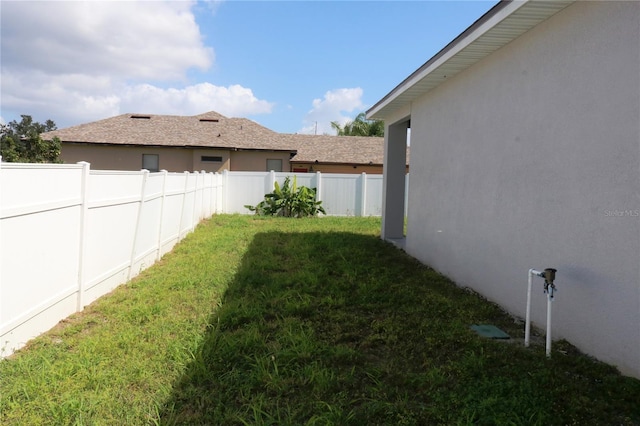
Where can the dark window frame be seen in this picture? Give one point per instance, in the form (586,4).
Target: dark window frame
(211,159)
(157,161)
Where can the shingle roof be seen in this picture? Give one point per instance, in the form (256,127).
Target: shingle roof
(213,130)
(337,149)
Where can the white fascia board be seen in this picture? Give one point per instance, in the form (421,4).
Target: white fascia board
(401,94)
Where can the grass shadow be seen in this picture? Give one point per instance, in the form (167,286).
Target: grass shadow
(341,328)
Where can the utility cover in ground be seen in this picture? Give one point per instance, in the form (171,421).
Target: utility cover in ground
(490,331)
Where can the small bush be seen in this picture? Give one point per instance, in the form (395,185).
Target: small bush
(289,201)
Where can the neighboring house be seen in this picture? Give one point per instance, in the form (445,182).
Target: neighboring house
(211,142)
(338,154)
(525,142)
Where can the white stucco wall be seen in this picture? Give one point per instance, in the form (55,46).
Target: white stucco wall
(530,159)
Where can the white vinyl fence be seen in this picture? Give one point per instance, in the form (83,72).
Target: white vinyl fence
(69,234)
(341,194)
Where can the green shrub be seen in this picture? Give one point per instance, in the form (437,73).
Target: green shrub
(289,201)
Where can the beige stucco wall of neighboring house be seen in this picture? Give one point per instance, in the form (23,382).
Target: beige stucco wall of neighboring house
(109,157)
(179,159)
(531,159)
(207,160)
(256,161)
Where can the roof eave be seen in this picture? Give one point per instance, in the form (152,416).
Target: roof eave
(329,163)
(502,24)
(216,147)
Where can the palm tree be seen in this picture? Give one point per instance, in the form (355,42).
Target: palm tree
(360,126)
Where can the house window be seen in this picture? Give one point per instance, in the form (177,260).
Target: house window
(151,162)
(275,165)
(207,158)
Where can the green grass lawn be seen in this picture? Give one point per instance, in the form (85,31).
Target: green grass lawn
(253,321)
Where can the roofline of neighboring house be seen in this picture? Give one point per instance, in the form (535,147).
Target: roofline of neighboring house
(292,151)
(328,163)
(503,23)
(222,148)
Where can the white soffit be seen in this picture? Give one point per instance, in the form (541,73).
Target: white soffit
(503,23)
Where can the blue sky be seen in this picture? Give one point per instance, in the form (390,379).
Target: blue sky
(292,66)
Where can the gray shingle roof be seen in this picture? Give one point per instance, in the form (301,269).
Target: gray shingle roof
(338,149)
(213,130)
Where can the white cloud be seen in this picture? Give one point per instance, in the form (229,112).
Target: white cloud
(231,101)
(132,39)
(65,98)
(332,108)
(81,61)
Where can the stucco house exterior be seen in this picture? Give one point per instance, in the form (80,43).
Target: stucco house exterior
(212,142)
(525,140)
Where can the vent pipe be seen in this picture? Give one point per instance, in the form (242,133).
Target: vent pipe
(549,276)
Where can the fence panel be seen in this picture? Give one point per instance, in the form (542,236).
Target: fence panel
(199,196)
(146,240)
(172,211)
(113,208)
(302,179)
(207,195)
(39,246)
(341,194)
(188,205)
(373,195)
(68,235)
(246,188)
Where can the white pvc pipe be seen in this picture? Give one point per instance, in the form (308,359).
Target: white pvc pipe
(527,321)
(549,300)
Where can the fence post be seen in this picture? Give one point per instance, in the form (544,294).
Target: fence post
(162,202)
(137,229)
(225,191)
(363,210)
(216,192)
(195,214)
(204,210)
(272,181)
(84,209)
(184,202)
(219,189)
(208,182)
(318,186)
(203,207)
(212,191)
